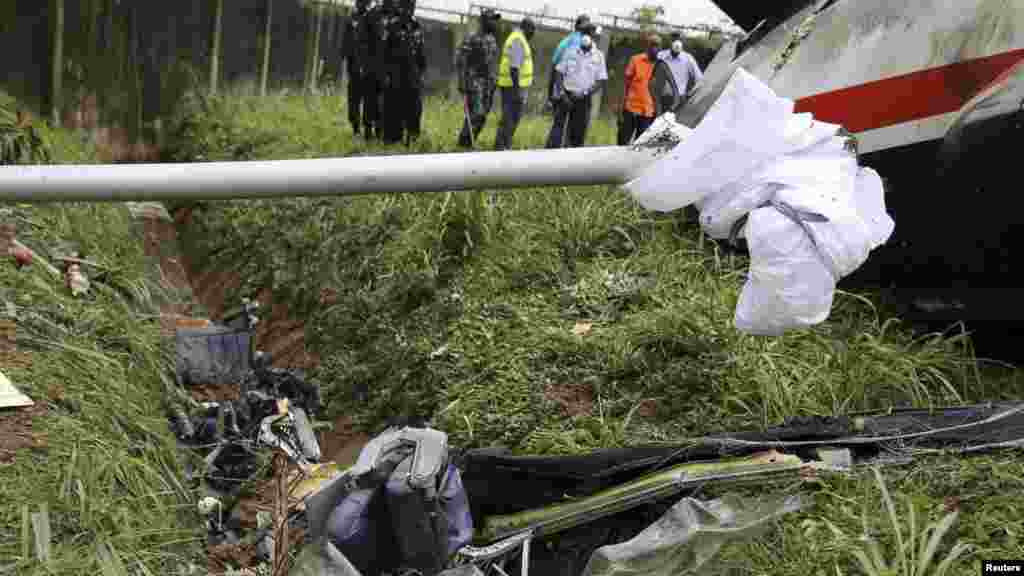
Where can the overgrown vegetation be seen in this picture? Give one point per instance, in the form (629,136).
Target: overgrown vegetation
(21,139)
(551,321)
(103,466)
(559,320)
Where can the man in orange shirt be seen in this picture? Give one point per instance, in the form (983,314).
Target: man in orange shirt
(638,105)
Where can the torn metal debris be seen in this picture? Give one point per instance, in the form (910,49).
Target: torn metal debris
(264,411)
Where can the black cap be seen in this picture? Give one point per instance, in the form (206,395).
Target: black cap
(489,14)
(581,21)
(527,24)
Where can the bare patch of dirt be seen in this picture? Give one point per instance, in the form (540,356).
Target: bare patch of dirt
(230,557)
(343,444)
(259,499)
(17,432)
(277,333)
(161,241)
(647,409)
(575,399)
(216,392)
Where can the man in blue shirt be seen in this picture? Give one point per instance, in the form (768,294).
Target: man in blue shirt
(675,77)
(570,42)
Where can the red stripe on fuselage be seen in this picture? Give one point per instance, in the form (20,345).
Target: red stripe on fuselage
(908,97)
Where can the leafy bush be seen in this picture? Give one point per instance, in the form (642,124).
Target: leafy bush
(21,140)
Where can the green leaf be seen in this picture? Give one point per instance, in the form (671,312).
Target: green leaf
(933,543)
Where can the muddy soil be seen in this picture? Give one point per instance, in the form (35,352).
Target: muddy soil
(277,333)
(18,426)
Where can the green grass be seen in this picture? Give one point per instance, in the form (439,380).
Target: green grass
(461,308)
(108,475)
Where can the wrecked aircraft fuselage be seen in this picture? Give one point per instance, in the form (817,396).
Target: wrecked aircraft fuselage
(933,91)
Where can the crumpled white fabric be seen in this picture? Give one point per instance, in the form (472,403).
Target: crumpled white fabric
(752,156)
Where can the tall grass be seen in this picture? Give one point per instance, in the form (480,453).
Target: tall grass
(418,273)
(464,308)
(107,474)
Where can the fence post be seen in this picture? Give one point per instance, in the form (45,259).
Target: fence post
(215,43)
(58,60)
(308,37)
(265,69)
(318,18)
(599,99)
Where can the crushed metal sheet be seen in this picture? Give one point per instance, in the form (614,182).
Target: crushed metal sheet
(11,397)
(662,135)
(802,31)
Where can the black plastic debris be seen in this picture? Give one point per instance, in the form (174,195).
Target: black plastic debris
(232,440)
(498,482)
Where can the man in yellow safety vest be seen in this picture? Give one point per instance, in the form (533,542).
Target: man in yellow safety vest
(515,75)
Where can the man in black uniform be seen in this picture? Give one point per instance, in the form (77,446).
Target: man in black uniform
(355,51)
(373,45)
(407,63)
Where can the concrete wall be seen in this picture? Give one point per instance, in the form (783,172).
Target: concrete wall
(137,57)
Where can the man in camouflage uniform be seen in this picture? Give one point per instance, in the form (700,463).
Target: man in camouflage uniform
(407,62)
(355,50)
(477,65)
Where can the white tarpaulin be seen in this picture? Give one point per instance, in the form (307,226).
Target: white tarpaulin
(11,397)
(812,214)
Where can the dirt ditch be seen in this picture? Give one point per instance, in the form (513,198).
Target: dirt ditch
(277,333)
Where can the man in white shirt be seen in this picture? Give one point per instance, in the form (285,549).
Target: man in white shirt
(581,72)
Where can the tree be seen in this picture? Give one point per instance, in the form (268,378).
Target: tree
(647,16)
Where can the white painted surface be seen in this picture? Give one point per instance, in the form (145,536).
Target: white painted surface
(899,134)
(854,42)
(586,166)
(11,397)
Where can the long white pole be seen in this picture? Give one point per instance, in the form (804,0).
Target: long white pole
(322,177)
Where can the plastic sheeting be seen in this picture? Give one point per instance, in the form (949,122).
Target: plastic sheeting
(785,182)
(688,536)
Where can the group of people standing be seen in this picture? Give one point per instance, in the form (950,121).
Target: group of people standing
(656,81)
(384,49)
(578,71)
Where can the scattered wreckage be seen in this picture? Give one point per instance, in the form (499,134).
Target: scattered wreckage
(412,504)
(267,410)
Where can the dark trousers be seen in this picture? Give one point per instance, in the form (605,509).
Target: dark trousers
(363,100)
(511,113)
(631,126)
(572,117)
(403,109)
(477,106)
